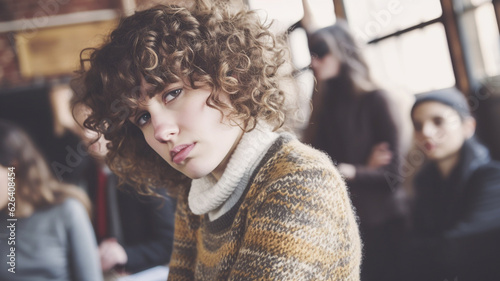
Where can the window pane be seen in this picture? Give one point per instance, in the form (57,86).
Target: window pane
(370,19)
(487,31)
(478,2)
(324,14)
(482,41)
(283,12)
(415,62)
(288,12)
(300,51)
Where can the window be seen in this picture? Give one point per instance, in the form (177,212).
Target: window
(285,13)
(406,43)
(481,37)
(370,19)
(416,62)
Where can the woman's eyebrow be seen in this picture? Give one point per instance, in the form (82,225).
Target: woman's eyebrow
(136,111)
(150,92)
(133,116)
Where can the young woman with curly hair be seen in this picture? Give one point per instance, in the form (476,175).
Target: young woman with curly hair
(54,239)
(190,100)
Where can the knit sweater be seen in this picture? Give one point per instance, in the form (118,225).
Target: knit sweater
(294,221)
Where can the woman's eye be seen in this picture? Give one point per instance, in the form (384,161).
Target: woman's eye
(143,119)
(172,95)
(438,121)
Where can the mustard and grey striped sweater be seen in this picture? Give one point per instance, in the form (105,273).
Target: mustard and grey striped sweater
(294,222)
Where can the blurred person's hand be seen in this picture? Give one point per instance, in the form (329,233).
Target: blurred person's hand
(381,155)
(111,254)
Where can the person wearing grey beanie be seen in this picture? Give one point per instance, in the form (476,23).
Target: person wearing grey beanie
(456,214)
(451,97)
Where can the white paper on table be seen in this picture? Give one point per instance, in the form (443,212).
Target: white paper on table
(157,273)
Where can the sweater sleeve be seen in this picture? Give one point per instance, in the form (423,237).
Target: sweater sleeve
(385,130)
(184,253)
(83,255)
(303,228)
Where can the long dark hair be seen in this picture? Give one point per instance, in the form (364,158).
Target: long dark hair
(36,186)
(338,40)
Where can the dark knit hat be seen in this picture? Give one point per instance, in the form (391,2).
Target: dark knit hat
(451,97)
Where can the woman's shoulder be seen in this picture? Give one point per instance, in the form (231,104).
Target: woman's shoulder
(377,93)
(288,150)
(63,214)
(377,96)
(290,159)
(476,161)
(301,175)
(70,204)
(488,174)
(70,210)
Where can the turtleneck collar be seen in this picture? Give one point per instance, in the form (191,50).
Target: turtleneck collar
(207,195)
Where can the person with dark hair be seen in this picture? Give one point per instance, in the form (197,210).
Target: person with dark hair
(456,214)
(191,100)
(352,121)
(54,239)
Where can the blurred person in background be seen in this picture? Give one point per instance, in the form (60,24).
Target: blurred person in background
(53,233)
(134,232)
(354,123)
(456,214)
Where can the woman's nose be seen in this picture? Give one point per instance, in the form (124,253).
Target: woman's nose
(164,129)
(428,130)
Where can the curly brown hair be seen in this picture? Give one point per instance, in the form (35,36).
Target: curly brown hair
(230,51)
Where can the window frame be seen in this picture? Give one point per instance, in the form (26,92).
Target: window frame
(454,37)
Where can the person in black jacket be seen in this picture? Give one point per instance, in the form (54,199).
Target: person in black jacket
(456,215)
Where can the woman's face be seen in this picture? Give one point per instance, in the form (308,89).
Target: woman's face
(439,131)
(325,67)
(192,137)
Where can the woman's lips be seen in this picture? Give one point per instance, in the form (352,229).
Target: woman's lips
(181,152)
(429,146)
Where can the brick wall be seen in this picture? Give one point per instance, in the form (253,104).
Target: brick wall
(9,67)
(33,10)
(26,9)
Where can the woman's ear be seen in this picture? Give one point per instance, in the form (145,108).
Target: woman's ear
(469,127)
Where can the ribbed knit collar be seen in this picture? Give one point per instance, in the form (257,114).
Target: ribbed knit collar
(207,194)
